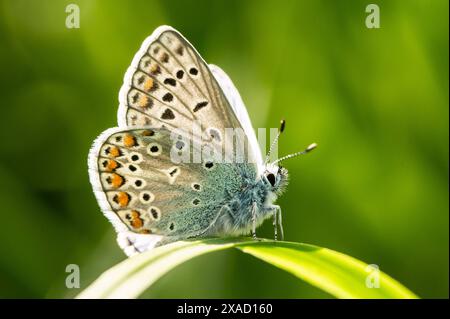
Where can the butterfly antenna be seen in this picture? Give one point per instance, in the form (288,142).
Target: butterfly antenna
(306,150)
(275,141)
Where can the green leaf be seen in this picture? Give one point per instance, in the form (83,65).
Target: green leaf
(340,275)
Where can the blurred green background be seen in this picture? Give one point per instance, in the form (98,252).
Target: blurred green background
(376,101)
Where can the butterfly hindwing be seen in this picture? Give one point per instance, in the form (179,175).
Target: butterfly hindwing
(138,184)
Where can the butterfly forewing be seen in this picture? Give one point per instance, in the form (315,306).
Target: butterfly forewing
(170,85)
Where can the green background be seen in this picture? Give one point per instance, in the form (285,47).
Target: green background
(376,101)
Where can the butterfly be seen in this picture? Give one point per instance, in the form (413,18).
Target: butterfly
(152,200)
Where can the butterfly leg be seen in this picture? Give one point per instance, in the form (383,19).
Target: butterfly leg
(280,222)
(275,226)
(277,221)
(254,221)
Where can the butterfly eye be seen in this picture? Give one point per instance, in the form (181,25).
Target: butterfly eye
(271,179)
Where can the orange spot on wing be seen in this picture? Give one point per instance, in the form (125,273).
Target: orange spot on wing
(123,199)
(114,151)
(148,85)
(143,101)
(145,231)
(148,132)
(129,140)
(135,214)
(116,180)
(154,68)
(112,165)
(136,221)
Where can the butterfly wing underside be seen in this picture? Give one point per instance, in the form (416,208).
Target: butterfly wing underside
(239,109)
(169,85)
(146,196)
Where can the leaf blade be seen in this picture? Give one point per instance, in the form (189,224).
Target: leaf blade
(340,275)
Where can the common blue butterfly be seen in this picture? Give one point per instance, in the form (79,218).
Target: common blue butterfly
(153,200)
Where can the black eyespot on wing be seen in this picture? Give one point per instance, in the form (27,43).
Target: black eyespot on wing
(200,105)
(193,71)
(168,115)
(154,213)
(173,172)
(180,74)
(132,168)
(271,179)
(170,81)
(171,226)
(179,50)
(209,165)
(168,97)
(164,58)
(154,149)
(138,183)
(135,158)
